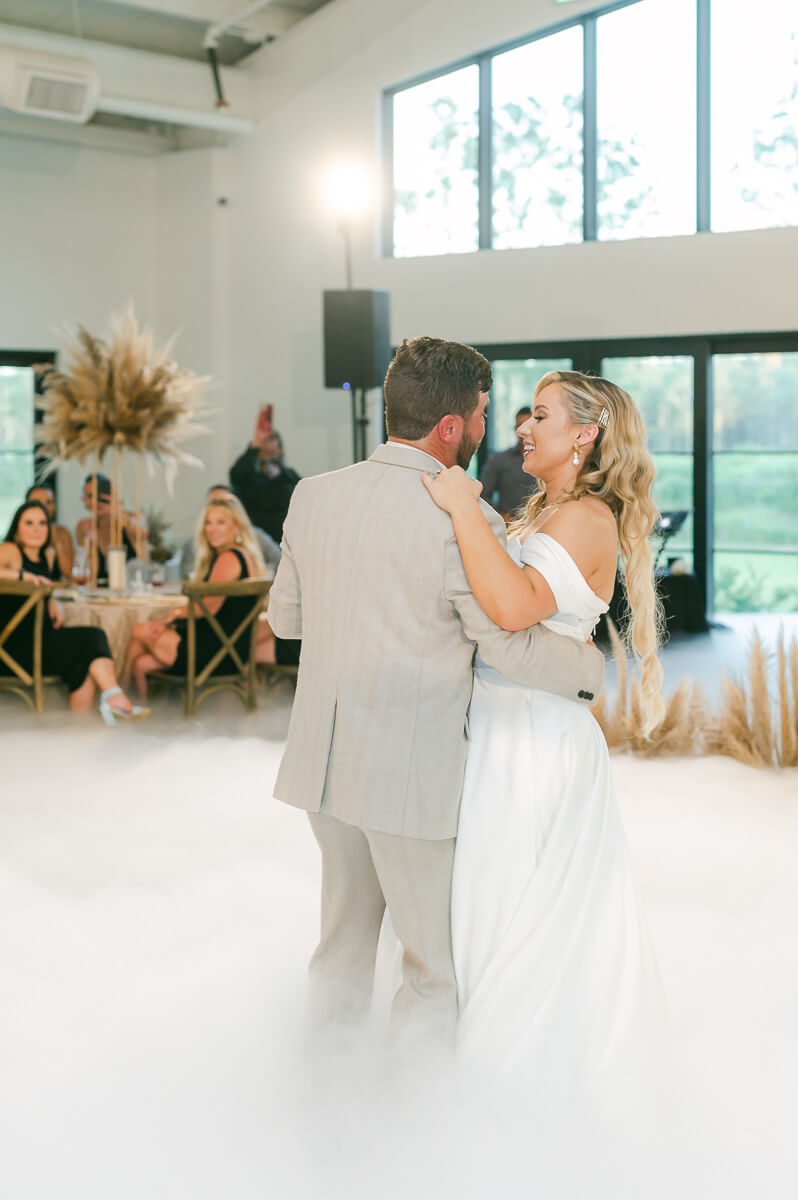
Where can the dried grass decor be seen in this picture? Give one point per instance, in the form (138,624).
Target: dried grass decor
(681,730)
(754,722)
(120,394)
(749,725)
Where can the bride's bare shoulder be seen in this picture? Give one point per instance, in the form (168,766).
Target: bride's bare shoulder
(588,514)
(595,509)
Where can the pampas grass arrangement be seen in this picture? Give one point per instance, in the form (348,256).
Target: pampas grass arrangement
(681,729)
(746,727)
(120,394)
(742,727)
(614,720)
(750,724)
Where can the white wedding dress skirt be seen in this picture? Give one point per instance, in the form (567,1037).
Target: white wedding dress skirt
(556,978)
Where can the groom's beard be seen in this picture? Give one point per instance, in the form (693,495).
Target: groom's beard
(465,451)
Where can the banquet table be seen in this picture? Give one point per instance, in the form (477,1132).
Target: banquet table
(117,615)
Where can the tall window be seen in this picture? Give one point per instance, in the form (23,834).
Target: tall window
(16,439)
(755,468)
(754,114)
(662,388)
(646,107)
(537,143)
(435,150)
(647,118)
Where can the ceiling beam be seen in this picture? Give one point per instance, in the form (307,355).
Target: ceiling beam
(271,21)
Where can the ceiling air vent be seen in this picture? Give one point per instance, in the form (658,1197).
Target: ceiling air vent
(46,85)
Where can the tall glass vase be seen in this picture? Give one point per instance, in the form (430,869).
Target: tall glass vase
(116,558)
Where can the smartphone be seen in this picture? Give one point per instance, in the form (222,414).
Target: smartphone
(264,424)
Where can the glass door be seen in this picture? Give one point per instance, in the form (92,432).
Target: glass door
(755,473)
(662,387)
(514,383)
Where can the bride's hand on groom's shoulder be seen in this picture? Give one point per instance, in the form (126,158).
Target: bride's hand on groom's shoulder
(452,488)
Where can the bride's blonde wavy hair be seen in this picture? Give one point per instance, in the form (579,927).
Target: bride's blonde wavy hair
(618,470)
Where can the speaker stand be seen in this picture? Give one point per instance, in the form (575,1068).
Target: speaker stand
(360,425)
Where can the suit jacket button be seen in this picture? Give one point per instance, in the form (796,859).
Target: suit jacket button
(588,695)
(581,694)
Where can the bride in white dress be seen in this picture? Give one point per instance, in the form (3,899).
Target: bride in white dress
(555,974)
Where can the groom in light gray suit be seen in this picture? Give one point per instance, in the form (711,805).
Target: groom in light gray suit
(372,581)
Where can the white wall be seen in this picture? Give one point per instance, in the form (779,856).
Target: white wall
(83,233)
(192,296)
(76,238)
(76,243)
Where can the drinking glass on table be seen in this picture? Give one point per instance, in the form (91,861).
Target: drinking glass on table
(81,570)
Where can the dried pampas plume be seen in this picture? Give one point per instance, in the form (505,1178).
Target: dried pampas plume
(745,727)
(679,732)
(614,720)
(742,727)
(788,701)
(122,394)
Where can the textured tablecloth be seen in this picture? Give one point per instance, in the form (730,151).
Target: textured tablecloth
(117,617)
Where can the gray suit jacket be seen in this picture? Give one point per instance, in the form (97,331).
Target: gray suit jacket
(372,581)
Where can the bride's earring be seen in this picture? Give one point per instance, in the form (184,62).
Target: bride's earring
(575,459)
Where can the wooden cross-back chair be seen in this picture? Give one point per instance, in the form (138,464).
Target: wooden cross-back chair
(200,684)
(27,684)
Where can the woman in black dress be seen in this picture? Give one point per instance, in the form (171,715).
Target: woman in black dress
(226,551)
(79,653)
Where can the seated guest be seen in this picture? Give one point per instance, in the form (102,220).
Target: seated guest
(504,482)
(263,483)
(80,653)
(270,551)
(271,649)
(226,551)
(62,538)
(134,533)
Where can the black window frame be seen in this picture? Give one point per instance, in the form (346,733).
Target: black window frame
(587,356)
(484,59)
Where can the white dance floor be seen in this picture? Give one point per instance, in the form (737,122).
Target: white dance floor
(158,909)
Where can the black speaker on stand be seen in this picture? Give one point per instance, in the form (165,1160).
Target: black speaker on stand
(357,351)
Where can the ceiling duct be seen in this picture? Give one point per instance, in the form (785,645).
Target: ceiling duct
(48,85)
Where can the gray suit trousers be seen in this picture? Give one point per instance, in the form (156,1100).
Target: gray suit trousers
(362,872)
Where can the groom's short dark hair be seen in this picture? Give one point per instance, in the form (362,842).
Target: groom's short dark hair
(429,378)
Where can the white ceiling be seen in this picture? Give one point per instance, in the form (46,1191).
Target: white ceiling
(173,27)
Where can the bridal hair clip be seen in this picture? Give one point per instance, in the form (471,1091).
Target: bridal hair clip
(604,418)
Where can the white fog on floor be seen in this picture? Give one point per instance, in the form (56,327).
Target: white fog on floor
(158,910)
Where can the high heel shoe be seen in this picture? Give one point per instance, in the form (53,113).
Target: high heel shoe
(112,715)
